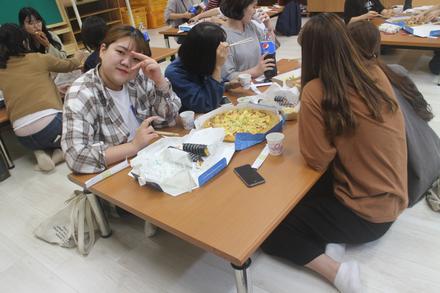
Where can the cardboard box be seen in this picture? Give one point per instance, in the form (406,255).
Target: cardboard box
(154,168)
(285,79)
(425,30)
(243,140)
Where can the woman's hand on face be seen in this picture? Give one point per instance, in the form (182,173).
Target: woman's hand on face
(221,54)
(150,68)
(145,133)
(41,38)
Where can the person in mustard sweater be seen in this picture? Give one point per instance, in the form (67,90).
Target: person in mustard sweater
(351,129)
(32,100)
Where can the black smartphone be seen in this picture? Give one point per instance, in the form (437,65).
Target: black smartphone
(249,175)
(225,100)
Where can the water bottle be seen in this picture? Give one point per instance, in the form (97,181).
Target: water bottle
(267,46)
(144,32)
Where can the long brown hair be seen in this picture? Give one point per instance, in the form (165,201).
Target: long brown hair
(366,37)
(329,54)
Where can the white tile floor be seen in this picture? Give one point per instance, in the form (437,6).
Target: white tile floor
(406,259)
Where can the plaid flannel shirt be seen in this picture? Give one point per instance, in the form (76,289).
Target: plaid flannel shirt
(92,123)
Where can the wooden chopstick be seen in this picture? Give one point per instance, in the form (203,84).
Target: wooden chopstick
(167,133)
(241,42)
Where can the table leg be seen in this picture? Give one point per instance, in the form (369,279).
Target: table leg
(149,229)
(4,151)
(167,41)
(103,225)
(242,277)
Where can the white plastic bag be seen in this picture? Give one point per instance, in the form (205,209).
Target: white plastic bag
(72,226)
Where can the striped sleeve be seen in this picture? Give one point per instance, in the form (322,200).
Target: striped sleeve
(83,153)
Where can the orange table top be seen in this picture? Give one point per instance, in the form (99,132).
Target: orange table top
(224,216)
(404,39)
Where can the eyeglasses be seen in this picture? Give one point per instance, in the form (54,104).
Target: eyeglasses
(33,22)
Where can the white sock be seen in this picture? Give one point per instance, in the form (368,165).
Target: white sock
(348,279)
(57,156)
(335,251)
(44,161)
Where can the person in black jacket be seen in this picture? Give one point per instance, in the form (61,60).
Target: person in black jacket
(93,32)
(355,10)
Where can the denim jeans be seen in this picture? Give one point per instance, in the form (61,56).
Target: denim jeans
(47,138)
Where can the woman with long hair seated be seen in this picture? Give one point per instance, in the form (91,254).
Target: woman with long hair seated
(41,39)
(32,100)
(110,111)
(196,73)
(422,142)
(352,130)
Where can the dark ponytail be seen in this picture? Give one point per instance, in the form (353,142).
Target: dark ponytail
(409,92)
(13,42)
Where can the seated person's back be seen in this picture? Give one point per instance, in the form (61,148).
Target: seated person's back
(25,77)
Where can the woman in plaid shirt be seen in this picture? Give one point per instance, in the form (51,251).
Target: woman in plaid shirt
(109,112)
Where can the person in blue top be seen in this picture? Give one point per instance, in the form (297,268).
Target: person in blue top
(196,74)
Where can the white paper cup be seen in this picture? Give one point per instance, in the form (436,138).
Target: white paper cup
(275,143)
(187,118)
(245,80)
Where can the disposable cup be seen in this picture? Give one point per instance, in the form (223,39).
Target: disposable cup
(187,118)
(275,143)
(245,80)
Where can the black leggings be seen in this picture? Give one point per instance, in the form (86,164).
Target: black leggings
(317,220)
